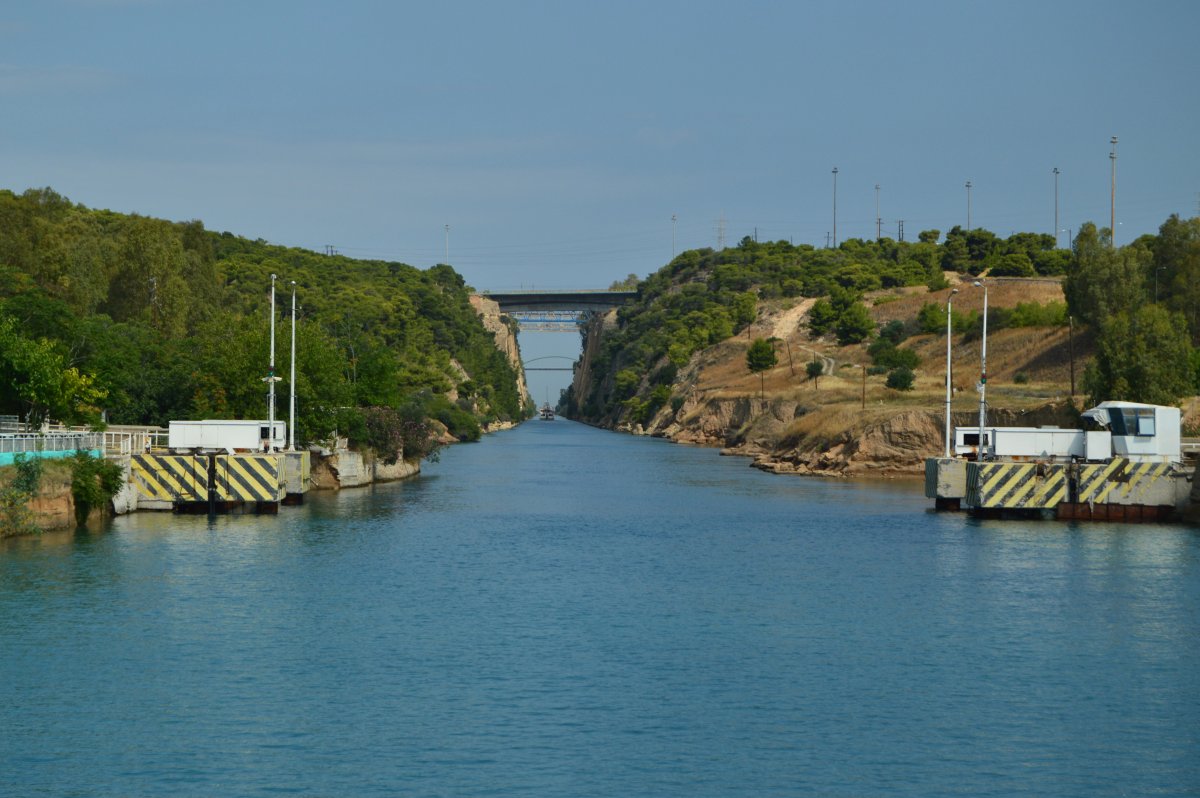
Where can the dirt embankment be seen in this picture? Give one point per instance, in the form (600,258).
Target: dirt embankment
(847,422)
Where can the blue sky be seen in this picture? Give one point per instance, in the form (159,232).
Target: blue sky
(558,138)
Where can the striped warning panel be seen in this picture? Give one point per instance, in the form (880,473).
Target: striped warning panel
(163,477)
(256,478)
(1015,485)
(1124,482)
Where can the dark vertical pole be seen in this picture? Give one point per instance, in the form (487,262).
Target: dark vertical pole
(1071,350)
(212,485)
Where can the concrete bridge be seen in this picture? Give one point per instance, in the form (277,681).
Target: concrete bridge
(556,311)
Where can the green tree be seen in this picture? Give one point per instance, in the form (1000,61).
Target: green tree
(900,378)
(814,370)
(94,481)
(821,317)
(1016,264)
(36,382)
(854,325)
(1103,281)
(1176,267)
(1141,356)
(760,358)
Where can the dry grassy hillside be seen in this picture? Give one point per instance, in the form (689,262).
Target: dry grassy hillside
(847,421)
(1040,354)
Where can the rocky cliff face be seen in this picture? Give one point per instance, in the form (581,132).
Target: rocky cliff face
(785,436)
(506,339)
(597,326)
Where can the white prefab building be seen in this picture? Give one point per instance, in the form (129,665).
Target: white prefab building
(228,435)
(1141,433)
(1035,443)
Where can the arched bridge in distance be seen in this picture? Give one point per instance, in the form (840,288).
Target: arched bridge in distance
(559,310)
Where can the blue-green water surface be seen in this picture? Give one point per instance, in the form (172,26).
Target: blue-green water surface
(560,611)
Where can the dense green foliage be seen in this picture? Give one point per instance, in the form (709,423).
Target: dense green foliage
(1144,301)
(1143,356)
(152,320)
(16,517)
(94,482)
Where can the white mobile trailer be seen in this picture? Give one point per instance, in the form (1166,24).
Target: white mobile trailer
(1035,443)
(1138,432)
(228,435)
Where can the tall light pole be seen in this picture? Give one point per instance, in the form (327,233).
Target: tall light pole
(1056,173)
(447,261)
(271,379)
(949,327)
(835,208)
(673,220)
(983,371)
(968,205)
(877,219)
(1112,218)
(292,401)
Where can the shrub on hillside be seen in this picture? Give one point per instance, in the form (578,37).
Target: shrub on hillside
(900,379)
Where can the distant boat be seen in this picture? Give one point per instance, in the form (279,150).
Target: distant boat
(547,412)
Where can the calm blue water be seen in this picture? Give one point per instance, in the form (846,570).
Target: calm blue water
(559,611)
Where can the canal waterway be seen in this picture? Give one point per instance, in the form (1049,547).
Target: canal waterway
(561,611)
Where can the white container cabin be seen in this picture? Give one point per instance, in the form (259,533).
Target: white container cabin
(227,435)
(1138,432)
(1141,433)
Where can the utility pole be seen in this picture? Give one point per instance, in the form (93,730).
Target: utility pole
(1112,219)
(447,261)
(900,230)
(673,220)
(721,232)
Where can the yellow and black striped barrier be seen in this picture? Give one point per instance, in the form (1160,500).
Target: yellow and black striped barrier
(190,478)
(171,477)
(1120,482)
(1124,482)
(1025,486)
(256,478)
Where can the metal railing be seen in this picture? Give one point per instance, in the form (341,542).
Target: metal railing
(29,442)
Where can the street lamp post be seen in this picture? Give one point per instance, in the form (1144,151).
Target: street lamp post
(949,327)
(1112,218)
(447,245)
(835,171)
(1056,173)
(968,205)
(673,220)
(878,221)
(983,371)
(292,400)
(271,379)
